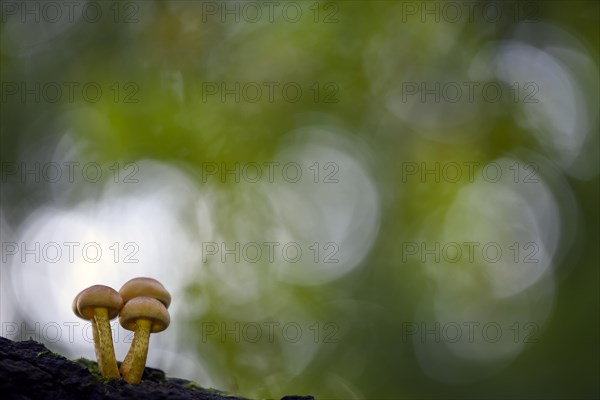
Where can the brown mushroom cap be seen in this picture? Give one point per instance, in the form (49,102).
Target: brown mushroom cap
(145,287)
(146,308)
(98,296)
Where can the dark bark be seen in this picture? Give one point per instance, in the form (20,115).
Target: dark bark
(28,370)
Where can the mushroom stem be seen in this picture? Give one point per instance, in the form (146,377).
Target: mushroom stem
(105,351)
(133,365)
(97,347)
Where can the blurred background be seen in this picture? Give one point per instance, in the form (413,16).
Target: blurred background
(346,199)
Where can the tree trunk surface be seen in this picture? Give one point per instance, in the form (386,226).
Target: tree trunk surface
(28,370)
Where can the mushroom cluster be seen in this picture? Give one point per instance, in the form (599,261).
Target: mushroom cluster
(141,305)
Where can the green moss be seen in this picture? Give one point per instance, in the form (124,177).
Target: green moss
(192,386)
(92,366)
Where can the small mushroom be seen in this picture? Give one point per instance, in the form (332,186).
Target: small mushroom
(100,304)
(143,315)
(141,287)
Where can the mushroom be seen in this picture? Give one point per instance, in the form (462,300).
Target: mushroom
(144,315)
(134,288)
(99,304)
